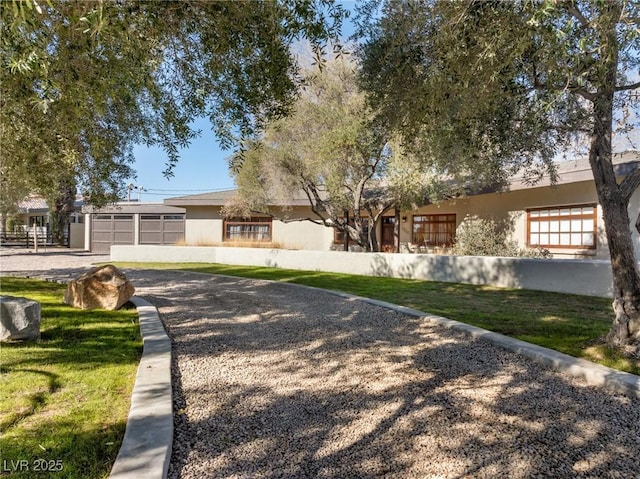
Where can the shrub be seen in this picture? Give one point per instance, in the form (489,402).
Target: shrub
(485,237)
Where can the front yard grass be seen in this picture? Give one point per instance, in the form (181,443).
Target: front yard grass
(64,400)
(572,324)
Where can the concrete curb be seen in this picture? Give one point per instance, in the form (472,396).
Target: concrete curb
(593,374)
(146,447)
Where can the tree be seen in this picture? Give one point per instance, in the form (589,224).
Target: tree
(327,150)
(85,81)
(487,88)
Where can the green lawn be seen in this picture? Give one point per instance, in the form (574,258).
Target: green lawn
(64,400)
(568,323)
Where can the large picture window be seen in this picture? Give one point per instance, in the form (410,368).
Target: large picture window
(247,229)
(563,227)
(434,230)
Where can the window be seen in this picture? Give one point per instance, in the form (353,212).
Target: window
(76,218)
(40,221)
(563,227)
(247,229)
(434,230)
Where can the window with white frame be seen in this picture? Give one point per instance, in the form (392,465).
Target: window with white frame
(562,227)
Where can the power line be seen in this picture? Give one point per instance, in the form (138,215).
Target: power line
(187,191)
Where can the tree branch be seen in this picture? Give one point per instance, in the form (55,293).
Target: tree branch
(294,220)
(573,10)
(633,86)
(580,90)
(634,20)
(587,95)
(630,184)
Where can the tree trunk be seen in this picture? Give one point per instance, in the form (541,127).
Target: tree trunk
(373,234)
(626,278)
(396,230)
(59,210)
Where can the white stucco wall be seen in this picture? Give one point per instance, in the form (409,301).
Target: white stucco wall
(587,277)
(76,235)
(203,226)
(302,235)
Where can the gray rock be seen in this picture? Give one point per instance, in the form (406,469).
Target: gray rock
(103,287)
(19,319)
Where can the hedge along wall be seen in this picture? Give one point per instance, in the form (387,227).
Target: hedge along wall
(587,277)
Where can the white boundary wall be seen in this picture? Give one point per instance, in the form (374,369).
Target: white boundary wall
(587,277)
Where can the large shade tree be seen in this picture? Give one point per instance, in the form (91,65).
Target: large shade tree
(328,151)
(483,89)
(85,81)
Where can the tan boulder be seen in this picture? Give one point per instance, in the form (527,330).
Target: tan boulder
(104,287)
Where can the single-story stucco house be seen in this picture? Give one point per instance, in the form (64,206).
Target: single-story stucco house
(564,218)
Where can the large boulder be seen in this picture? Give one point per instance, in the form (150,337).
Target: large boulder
(19,319)
(104,287)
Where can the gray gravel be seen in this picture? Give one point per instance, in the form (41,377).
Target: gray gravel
(277,381)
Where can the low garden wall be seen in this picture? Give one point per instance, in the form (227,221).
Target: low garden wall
(588,277)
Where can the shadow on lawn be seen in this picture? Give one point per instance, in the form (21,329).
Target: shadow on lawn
(54,423)
(35,399)
(306,384)
(61,448)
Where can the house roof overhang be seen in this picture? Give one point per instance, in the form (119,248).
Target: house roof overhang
(221,198)
(130,208)
(576,171)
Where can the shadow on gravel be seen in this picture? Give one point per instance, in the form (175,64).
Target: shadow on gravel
(271,381)
(61,275)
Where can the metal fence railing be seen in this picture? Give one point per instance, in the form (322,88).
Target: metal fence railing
(26,238)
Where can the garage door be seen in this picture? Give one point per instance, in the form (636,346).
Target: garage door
(107,230)
(161,229)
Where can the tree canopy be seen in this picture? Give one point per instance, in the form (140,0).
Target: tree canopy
(485,88)
(328,151)
(84,81)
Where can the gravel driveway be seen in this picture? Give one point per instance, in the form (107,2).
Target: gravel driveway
(277,381)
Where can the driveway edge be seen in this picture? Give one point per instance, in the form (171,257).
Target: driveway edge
(146,447)
(593,374)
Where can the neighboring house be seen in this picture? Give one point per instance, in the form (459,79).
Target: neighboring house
(565,218)
(132,223)
(95,230)
(33,212)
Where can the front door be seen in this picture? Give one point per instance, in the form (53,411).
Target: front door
(388,237)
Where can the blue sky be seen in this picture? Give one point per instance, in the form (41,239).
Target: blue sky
(203,166)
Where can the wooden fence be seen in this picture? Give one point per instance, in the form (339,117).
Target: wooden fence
(25,239)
